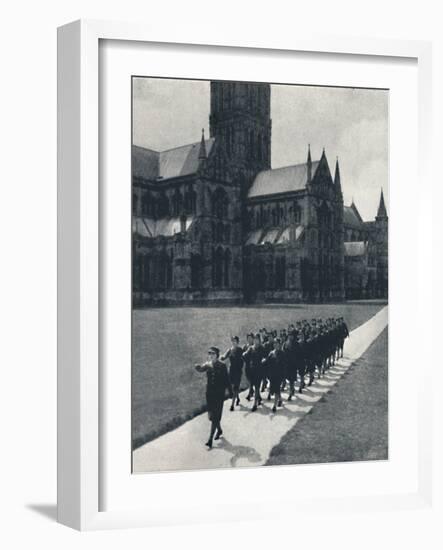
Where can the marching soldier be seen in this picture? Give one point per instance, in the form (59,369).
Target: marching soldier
(343,334)
(247,363)
(276,368)
(235,356)
(290,351)
(301,360)
(216,385)
(268,346)
(254,354)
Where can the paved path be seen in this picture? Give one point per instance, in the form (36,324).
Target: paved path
(249,437)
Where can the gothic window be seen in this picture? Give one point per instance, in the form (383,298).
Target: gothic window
(190,201)
(146,205)
(193,201)
(219,233)
(145,272)
(196,270)
(227,234)
(227,268)
(177,203)
(274,217)
(260,275)
(251,144)
(163,206)
(220,203)
(218,267)
(297,213)
(169,274)
(280,272)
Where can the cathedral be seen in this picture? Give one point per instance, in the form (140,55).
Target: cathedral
(214,223)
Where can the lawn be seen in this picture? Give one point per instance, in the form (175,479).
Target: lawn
(167,342)
(350,423)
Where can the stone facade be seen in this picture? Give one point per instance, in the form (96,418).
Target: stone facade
(212,222)
(366,253)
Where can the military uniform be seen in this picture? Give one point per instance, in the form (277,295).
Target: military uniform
(235,356)
(217,382)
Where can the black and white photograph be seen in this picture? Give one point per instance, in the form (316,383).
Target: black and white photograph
(260,217)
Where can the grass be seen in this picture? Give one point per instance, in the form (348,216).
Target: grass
(351,423)
(167,342)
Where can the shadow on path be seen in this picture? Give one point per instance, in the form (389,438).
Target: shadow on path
(239,452)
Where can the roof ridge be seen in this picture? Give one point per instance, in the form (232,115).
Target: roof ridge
(185,145)
(171,148)
(289,166)
(145,148)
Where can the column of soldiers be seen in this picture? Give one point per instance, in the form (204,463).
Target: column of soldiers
(272,361)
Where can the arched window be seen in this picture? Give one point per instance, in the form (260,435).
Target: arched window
(227,268)
(274,217)
(219,235)
(280,272)
(260,275)
(196,270)
(134,204)
(145,272)
(220,203)
(177,203)
(193,201)
(218,267)
(227,238)
(146,205)
(259,147)
(169,274)
(162,206)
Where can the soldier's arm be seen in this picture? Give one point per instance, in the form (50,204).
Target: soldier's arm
(226,355)
(201,368)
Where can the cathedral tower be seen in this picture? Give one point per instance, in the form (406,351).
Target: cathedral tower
(240,121)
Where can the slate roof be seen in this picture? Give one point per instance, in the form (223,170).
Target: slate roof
(180,161)
(281,180)
(350,218)
(166,227)
(272,236)
(358,248)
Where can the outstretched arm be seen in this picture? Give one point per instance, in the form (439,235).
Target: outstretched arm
(201,368)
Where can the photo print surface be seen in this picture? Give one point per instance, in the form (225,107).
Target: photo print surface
(259,274)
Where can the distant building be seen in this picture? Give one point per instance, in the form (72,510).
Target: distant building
(366,253)
(212,222)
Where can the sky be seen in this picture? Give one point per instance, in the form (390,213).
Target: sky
(352,124)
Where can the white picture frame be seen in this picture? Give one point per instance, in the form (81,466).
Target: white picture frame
(79,295)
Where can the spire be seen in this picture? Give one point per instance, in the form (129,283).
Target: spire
(202,152)
(309,164)
(381,213)
(337,180)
